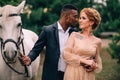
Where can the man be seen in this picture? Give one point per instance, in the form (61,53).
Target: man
(54,37)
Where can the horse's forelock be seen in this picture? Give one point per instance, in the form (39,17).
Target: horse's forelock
(7,10)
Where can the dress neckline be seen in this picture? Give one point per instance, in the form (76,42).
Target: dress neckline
(84,36)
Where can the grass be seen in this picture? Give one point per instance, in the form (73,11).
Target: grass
(111,70)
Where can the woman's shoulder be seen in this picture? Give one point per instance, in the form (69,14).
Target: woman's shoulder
(75,34)
(97,39)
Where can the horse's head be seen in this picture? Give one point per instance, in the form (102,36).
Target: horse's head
(10,30)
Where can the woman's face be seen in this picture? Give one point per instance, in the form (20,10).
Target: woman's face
(84,21)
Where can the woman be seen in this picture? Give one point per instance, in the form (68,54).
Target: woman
(81,52)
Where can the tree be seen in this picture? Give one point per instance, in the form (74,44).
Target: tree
(114,49)
(111,19)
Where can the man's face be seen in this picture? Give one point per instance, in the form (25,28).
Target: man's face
(73,18)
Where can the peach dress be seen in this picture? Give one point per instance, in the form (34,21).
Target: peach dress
(79,46)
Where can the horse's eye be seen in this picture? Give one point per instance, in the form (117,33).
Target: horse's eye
(0,26)
(19,25)
(0,15)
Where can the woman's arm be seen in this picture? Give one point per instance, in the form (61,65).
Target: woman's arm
(70,57)
(98,58)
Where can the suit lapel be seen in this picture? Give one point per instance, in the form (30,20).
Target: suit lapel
(56,32)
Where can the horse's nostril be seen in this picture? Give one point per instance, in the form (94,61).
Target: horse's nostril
(5,54)
(10,57)
(15,52)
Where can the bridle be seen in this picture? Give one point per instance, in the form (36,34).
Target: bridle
(17,44)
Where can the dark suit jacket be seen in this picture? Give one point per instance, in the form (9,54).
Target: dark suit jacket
(49,38)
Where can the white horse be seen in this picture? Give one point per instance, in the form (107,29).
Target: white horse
(13,40)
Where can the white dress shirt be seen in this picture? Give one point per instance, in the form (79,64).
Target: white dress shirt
(63,36)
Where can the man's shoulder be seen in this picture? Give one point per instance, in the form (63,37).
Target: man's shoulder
(48,27)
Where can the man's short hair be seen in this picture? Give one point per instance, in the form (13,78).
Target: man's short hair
(67,7)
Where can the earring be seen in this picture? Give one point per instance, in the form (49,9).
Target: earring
(90,25)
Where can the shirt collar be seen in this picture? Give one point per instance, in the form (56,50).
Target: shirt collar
(60,27)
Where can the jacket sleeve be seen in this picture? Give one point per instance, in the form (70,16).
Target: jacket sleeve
(68,54)
(98,59)
(38,47)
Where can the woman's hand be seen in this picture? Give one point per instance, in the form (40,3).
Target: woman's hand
(89,64)
(89,68)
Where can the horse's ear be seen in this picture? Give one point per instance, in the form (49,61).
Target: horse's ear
(0,9)
(21,6)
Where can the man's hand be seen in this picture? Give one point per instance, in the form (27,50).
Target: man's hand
(25,59)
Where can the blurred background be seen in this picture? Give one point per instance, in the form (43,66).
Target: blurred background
(38,13)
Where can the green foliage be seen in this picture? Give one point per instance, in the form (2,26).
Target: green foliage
(114,48)
(110,69)
(12,2)
(111,22)
(110,18)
